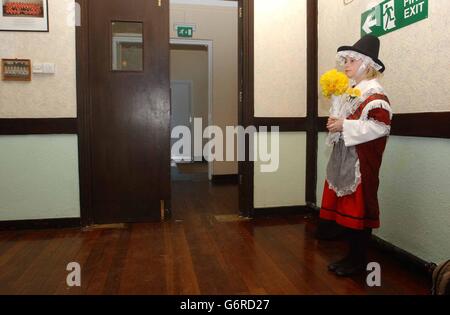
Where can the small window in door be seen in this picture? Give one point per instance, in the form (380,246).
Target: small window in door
(127,46)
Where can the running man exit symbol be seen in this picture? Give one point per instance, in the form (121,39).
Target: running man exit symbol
(391,15)
(185,31)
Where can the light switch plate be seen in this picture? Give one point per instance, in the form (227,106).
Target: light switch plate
(49,68)
(38,68)
(44,68)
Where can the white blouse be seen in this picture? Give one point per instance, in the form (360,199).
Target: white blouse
(367,129)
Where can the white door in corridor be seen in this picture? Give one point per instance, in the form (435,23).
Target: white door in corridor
(181,99)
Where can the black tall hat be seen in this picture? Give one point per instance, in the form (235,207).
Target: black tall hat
(368,45)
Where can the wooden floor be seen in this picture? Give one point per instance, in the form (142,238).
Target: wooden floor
(195,253)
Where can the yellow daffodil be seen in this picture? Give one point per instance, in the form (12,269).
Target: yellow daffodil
(334,82)
(353,92)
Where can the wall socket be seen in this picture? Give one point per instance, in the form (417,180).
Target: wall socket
(44,68)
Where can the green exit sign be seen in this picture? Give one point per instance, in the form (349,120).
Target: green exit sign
(185,31)
(391,15)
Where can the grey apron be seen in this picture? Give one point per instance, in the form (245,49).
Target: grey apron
(341,169)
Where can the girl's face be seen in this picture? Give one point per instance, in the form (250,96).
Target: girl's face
(351,67)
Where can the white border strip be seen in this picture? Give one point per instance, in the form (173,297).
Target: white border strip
(217,3)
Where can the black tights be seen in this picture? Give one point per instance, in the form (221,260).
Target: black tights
(359,242)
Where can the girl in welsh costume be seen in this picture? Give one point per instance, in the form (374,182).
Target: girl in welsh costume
(359,128)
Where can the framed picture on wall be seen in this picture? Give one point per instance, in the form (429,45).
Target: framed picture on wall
(24,15)
(16,70)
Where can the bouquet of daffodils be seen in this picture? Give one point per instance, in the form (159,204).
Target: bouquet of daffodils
(334,82)
(335,85)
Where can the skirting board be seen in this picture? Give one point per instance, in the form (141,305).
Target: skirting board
(412,261)
(41,224)
(282,210)
(225,179)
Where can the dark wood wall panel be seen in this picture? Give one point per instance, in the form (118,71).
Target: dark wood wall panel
(285,124)
(312,106)
(428,125)
(433,125)
(26,126)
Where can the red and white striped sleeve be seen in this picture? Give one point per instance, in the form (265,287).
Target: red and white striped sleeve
(374,123)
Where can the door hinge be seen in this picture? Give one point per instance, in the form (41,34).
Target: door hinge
(241,12)
(241,96)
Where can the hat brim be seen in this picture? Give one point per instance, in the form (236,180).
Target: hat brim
(378,61)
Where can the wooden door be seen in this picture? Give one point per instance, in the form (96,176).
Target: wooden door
(130,109)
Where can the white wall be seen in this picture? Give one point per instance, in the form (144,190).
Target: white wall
(280,58)
(39,174)
(46,96)
(285,186)
(39,177)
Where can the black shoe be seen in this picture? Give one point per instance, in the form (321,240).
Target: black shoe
(349,269)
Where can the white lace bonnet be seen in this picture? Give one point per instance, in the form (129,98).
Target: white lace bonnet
(340,57)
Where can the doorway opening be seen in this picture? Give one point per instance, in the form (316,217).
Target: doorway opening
(204,80)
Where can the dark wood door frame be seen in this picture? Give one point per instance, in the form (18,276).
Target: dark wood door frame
(84,115)
(245,46)
(308,124)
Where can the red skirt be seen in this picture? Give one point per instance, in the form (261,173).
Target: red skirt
(348,211)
